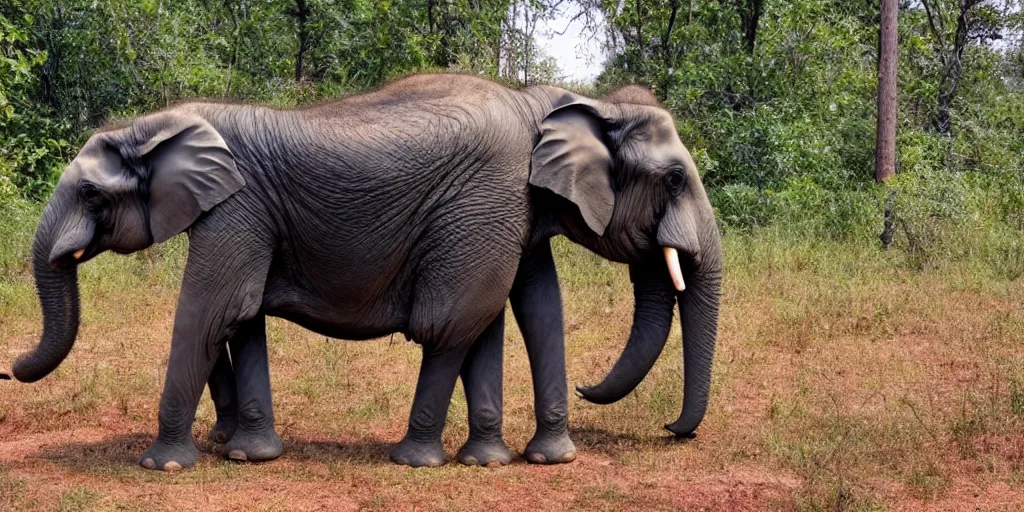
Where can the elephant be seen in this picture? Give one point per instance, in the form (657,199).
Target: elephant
(420,208)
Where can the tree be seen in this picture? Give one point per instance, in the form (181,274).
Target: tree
(974,22)
(520,61)
(885,146)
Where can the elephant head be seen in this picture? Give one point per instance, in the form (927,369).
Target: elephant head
(639,200)
(126,189)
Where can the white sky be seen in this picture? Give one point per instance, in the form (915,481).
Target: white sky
(578,58)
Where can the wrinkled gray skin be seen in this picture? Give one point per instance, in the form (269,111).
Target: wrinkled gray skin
(419,208)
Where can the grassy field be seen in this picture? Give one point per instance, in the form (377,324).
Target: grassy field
(846,378)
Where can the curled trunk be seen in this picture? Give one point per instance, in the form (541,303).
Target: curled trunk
(652,320)
(57,288)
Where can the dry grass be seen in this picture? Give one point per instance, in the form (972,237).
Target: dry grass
(844,380)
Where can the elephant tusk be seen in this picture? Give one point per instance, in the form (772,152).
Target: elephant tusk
(78,254)
(672,259)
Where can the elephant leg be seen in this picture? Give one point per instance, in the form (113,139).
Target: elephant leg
(537,305)
(422,443)
(481,378)
(255,440)
(225,399)
(188,369)
(221,290)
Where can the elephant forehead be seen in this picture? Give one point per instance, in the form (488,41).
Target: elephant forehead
(98,163)
(664,145)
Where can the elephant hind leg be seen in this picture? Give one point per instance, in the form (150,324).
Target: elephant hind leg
(422,443)
(464,278)
(481,378)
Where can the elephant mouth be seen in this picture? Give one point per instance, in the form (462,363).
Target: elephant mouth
(76,257)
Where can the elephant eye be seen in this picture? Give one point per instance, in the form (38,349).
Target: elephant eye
(91,194)
(674,181)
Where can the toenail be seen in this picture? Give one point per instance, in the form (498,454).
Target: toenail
(238,455)
(172,466)
(148,464)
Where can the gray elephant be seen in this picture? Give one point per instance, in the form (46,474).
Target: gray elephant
(418,208)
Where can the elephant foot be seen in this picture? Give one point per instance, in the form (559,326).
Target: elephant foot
(484,453)
(248,446)
(550,449)
(223,430)
(164,456)
(416,454)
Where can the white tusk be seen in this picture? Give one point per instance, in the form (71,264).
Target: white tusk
(672,259)
(78,254)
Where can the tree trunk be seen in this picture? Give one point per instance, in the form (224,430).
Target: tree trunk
(885,148)
(301,14)
(750,12)
(430,15)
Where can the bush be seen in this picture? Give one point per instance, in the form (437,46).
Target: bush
(941,217)
(33,146)
(18,219)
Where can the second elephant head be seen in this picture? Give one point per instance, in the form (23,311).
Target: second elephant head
(639,199)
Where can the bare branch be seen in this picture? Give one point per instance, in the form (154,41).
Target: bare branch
(666,49)
(931,22)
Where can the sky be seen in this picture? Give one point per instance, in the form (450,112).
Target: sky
(579,59)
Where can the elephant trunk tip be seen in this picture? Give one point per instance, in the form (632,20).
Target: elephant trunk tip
(4,376)
(595,395)
(681,431)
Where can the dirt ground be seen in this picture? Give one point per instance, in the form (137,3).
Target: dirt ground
(833,390)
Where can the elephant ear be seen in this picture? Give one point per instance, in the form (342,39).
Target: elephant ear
(191,171)
(573,161)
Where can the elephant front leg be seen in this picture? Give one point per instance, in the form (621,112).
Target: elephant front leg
(188,368)
(422,443)
(481,379)
(255,440)
(225,399)
(537,305)
(221,290)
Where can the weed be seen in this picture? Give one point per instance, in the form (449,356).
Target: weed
(12,491)
(78,499)
(593,497)
(927,482)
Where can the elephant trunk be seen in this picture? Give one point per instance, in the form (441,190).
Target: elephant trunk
(698,311)
(652,320)
(57,287)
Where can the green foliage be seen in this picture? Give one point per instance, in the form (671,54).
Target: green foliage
(88,61)
(967,217)
(33,147)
